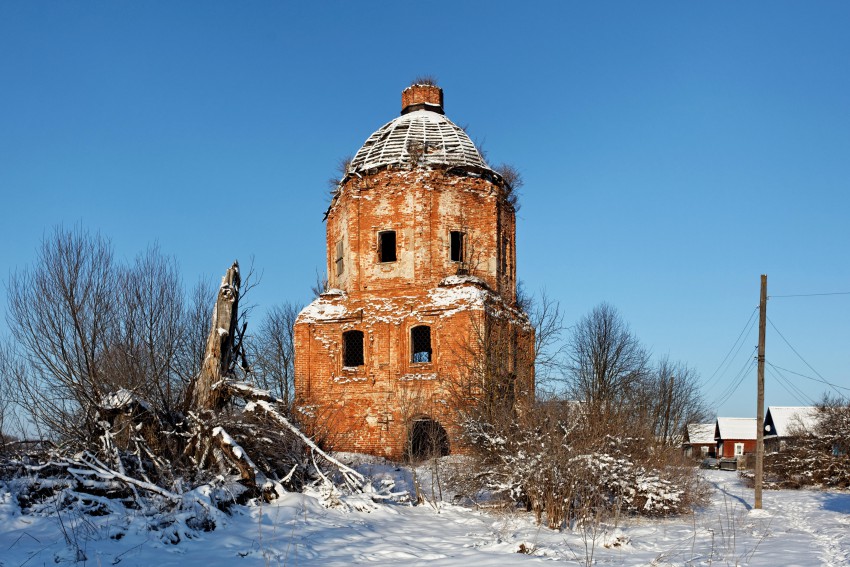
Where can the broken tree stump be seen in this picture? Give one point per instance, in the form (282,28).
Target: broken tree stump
(220,351)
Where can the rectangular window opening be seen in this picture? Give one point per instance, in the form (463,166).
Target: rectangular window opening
(456,253)
(340,262)
(420,344)
(352,348)
(503,257)
(386,246)
(739,449)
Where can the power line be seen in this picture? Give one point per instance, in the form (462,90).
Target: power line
(822,379)
(747,326)
(791,388)
(733,386)
(731,389)
(809,377)
(811,294)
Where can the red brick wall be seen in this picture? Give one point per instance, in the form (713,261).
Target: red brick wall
(422,207)
(369,408)
(417,94)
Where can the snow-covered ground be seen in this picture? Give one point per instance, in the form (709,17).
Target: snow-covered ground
(803,527)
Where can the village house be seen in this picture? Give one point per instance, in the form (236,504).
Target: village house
(699,441)
(420,314)
(735,436)
(784,423)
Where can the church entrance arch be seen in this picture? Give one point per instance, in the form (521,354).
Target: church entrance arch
(426,439)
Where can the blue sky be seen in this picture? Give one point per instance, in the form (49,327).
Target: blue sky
(672,152)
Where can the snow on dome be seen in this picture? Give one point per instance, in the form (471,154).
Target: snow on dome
(423,137)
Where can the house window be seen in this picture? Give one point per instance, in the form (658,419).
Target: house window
(420,344)
(739,449)
(340,263)
(456,253)
(352,348)
(386,246)
(704,450)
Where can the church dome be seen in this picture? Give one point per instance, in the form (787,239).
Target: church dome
(421,136)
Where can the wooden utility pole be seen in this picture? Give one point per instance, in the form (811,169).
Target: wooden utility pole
(760,408)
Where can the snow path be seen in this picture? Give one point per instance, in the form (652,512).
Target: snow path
(802,527)
(795,527)
(828,529)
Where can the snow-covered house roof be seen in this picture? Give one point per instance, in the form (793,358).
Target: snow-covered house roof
(424,137)
(784,421)
(700,434)
(735,428)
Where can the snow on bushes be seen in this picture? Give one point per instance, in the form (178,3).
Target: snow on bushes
(561,474)
(819,456)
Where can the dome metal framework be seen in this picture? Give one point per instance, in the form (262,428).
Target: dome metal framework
(420,138)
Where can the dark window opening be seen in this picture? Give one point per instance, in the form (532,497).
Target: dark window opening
(427,439)
(420,344)
(503,260)
(352,348)
(340,263)
(456,246)
(386,246)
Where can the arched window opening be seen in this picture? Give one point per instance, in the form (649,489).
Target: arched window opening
(352,348)
(420,344)
(427,439)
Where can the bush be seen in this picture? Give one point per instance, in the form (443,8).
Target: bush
(563,472)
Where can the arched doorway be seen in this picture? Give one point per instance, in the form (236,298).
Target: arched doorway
(426,439)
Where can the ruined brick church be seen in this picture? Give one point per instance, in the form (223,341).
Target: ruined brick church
(420,318)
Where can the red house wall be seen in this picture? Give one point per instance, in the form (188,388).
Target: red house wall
(729,447)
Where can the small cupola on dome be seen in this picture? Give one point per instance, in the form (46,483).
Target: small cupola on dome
(422,97)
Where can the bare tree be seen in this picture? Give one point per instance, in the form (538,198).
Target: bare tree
(833,424)
(673,398)
(513,182)
(320,286)
(113,373)
(88,327)
(549,340)
(606,361)
(273,351)
(196,326)
(341,170)
(494,381)
(579,462)
(148,335)
(8,366)
(62,313)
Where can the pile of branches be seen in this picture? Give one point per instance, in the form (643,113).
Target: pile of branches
(232,442)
